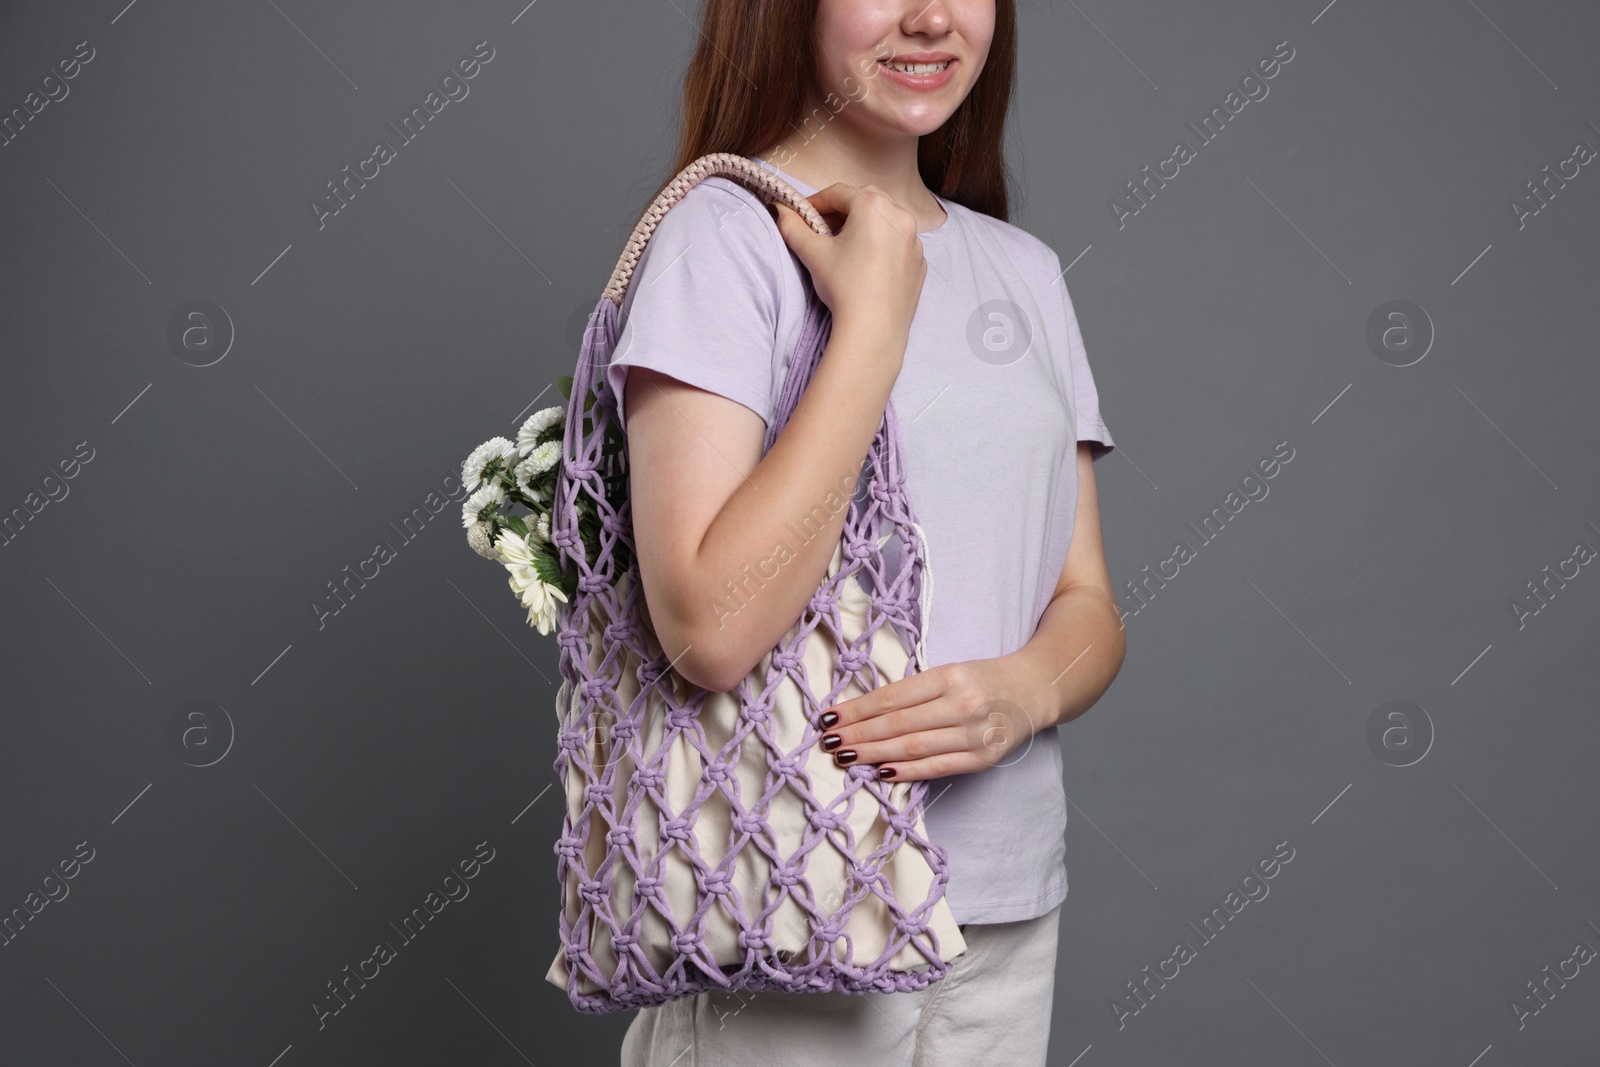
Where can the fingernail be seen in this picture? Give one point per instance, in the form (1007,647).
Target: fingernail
(830,742)
(829,719)
(885,772)
(845,757)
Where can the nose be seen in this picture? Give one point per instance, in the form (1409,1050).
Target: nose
(928,18)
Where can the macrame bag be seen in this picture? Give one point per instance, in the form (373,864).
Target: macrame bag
(708,841)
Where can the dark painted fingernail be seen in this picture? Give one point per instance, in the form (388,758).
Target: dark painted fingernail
(885,772)
(831,742)
(845,757)
(829,719)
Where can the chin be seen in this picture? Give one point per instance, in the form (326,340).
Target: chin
(919,124)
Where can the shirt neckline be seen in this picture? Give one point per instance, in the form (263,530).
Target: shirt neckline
(936,234)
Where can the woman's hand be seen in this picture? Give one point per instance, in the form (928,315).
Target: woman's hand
(954,719)
(870,272)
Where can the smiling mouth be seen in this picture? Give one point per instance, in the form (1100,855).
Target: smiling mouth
(915,69)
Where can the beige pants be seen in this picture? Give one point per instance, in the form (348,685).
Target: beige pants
(993,1007)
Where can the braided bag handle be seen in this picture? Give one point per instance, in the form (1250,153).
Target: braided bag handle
(758,179)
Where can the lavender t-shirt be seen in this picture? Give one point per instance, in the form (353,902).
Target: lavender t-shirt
(994,391)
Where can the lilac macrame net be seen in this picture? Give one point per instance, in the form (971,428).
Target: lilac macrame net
(597,614)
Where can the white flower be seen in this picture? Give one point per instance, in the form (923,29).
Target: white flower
(514,551)
(544,614)
(541,459)
(483,498)
(492,449)
(523,475)
(538,423)
(541,599)
(478,538)
(517,555)
(538,527)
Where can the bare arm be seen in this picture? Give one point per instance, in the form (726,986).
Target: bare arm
(721,530)
(721,591)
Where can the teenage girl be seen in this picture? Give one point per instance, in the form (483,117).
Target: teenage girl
(890,116)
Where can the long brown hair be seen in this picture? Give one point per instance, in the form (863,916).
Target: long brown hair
(750,105)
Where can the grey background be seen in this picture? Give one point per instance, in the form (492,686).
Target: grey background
(361,760)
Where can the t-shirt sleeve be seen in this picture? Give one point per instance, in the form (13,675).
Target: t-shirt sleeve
(1085,397)
(703,303)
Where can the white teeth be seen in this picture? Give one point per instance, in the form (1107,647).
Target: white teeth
(918,68)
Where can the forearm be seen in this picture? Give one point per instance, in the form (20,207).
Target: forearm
(1073,656)
(763,555)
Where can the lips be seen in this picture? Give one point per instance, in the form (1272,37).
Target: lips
(930,70)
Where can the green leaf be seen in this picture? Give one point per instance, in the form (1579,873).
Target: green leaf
(546,569)
(564,383)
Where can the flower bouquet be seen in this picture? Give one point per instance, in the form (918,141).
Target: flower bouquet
(500,474)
